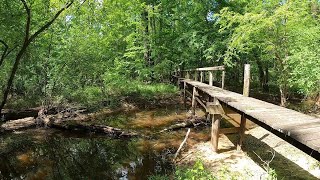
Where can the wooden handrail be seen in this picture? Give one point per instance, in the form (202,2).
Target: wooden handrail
(214,68)
(186,74)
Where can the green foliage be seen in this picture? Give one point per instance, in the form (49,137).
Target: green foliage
(284,35)
(198,171)
(105,48)
(272,174)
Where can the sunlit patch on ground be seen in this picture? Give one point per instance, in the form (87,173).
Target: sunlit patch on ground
(288,163)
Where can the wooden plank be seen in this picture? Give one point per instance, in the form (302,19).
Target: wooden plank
(308,137)
(214,107)
(301,126)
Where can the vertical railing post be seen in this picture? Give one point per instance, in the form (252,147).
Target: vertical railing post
(196,75)
(201,76)
(188,75)
(222,79)
(246,80)
(246,85)
(210,78)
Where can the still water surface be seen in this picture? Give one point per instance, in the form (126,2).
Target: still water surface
(54,154)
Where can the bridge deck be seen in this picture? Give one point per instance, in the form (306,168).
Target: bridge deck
(300,128)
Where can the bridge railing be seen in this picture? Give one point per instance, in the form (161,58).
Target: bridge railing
(194,74)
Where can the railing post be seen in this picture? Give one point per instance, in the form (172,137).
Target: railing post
(246,80)
(210,78)
(188,75)
(201,76)
(222,79)
(196,75)
(246,85)
(184,95)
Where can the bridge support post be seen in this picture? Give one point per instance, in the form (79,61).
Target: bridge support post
(246,85)
(215,110)
(184,95)
(194,101)
(215,131)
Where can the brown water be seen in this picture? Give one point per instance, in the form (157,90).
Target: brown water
(54,154)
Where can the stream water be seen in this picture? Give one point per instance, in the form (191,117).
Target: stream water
(54,154)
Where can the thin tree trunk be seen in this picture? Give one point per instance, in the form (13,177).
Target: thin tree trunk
(27,40)
(6,47)
(266,79)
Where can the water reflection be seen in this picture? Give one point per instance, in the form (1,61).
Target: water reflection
(63,156)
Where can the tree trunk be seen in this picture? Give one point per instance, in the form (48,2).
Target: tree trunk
(27,40)
(266,79)
(18,124)
(13,73)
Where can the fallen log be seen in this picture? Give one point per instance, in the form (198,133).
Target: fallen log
(187,123)
(100,129)
(9,114)
(18,124)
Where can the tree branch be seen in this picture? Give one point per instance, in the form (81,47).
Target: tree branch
(6,47)
(44,27)
(26,7)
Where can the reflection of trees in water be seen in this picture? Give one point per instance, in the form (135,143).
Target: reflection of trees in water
(9,163)
(61,157)
(87,158)
(67,158)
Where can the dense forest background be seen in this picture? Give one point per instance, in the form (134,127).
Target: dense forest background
(94,51)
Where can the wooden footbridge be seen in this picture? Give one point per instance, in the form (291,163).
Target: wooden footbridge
(300,130)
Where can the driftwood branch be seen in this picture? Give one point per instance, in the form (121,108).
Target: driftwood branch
(185,124)
(181,145)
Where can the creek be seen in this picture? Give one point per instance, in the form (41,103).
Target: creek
(53,154)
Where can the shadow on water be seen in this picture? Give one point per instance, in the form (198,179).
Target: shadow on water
(257,150)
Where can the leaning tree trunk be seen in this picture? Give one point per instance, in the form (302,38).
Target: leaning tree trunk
(27,40)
